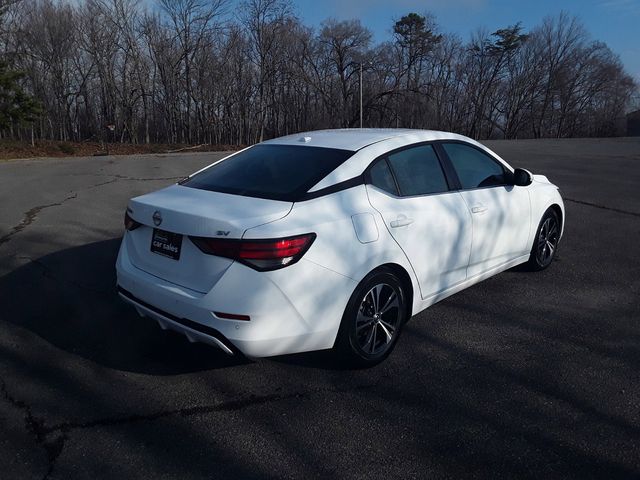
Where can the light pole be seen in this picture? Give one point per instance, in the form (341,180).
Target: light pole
(360,94)
(367,64)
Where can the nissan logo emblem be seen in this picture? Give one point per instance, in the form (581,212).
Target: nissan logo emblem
(157,218)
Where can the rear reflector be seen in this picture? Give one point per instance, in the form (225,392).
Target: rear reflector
(261,255)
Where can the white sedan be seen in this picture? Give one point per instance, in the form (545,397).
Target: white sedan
(331,239)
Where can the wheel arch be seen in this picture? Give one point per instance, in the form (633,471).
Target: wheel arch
(405,279)
(558,211)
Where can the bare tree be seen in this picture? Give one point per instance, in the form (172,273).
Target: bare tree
(192,23)
(187,71)
(343,46)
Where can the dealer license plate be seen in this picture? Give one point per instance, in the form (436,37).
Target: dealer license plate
(167,244)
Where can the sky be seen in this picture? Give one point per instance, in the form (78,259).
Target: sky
(615,22)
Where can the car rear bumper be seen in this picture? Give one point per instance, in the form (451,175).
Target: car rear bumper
(295,309)
(192,330)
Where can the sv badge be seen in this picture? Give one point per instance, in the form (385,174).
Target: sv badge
(222,232)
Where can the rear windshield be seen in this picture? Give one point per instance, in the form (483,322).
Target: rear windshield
(277,172)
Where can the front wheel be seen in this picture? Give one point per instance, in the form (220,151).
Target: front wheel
(545,243)
(372,320)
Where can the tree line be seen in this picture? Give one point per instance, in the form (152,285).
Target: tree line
(211,71)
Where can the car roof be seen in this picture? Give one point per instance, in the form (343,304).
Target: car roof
(367,144)
(380,142)
(350,138)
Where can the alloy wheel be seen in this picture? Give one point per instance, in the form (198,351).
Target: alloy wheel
(378,319)
(547,240)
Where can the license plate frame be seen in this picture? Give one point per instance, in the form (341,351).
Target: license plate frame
(167,244)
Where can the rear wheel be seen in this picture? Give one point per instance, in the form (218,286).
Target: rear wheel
(372,320)
(545,243)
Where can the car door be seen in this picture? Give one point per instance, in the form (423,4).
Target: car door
(429,221)
(500,212)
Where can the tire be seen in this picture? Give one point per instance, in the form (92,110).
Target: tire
(373,319)
(545,243)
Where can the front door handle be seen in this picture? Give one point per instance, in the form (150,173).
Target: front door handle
(401,221)
(478,208)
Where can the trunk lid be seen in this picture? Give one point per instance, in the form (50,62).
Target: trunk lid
(193,212)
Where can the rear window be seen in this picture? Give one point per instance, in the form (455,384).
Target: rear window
(277,172)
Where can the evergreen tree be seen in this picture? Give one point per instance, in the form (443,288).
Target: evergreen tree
(16,106)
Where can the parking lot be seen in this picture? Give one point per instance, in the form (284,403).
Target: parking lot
(526,375)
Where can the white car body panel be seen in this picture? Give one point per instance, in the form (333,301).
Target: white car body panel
(411,221)
(347,138)
(542,195)
(199,213)
(277,325)
(445,248)
(191,211)
(501,226)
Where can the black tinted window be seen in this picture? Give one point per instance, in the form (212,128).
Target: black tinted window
(474,168)
(278,172)
(381,177)
(418,171)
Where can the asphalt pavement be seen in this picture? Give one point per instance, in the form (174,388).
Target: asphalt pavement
(526,375)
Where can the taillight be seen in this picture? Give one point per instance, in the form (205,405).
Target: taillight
(261,255)
(130,223)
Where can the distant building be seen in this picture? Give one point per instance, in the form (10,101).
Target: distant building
(633,124)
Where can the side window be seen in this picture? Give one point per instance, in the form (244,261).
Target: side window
(418,171)
(381,177)
(474,168)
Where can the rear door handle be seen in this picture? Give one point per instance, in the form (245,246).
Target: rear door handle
(401,221)
(478,209)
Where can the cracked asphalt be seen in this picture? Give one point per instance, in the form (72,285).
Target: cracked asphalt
(522,376)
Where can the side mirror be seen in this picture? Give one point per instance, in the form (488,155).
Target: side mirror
(522,177)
